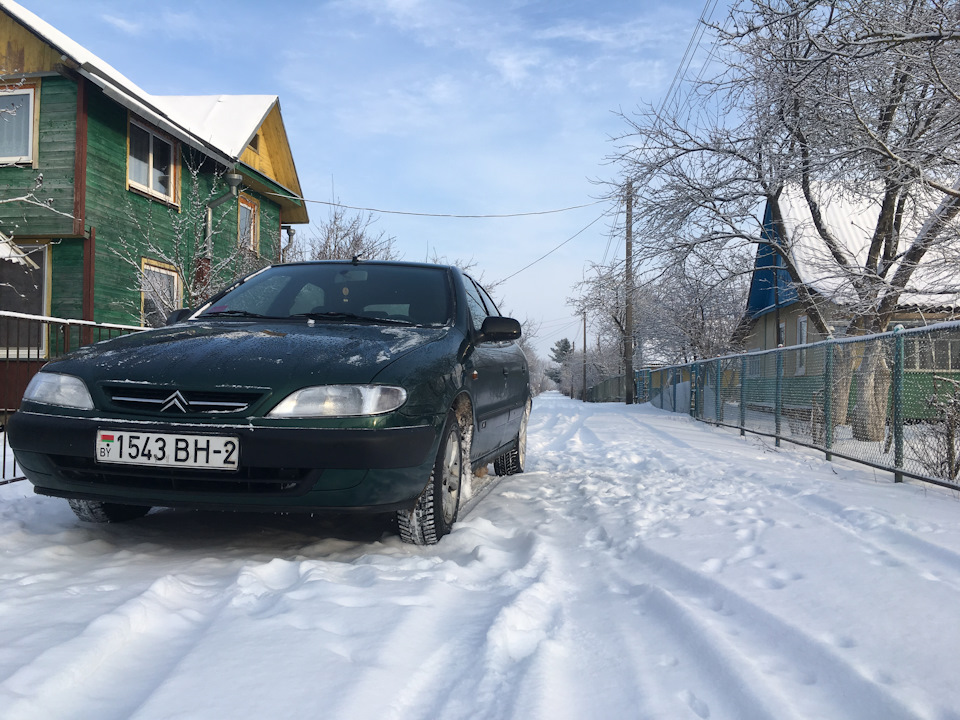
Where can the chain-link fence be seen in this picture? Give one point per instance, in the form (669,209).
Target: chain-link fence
(891,401)
(614,389)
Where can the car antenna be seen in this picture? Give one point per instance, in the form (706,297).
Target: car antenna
(356,259)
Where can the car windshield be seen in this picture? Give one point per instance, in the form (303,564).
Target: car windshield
(337,292)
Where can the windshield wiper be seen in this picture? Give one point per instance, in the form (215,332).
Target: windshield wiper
(234,313)
(334,315)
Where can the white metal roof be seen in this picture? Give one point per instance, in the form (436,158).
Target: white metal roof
(11,252)
(852,221)
(228,122)
(221,125)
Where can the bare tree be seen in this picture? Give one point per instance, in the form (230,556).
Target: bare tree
(691,311)
(844,101)
(176,240)
(343,236)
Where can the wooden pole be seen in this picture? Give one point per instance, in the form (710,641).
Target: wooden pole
(628,304)
(584,355)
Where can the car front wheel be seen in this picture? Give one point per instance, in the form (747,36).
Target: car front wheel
(104,512)
(437,507)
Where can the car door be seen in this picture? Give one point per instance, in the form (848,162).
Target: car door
(514,367)
(487,378)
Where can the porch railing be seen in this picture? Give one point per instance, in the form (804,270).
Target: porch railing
(27,342)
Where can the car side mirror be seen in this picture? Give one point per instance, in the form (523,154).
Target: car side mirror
(178,315)
(499,329)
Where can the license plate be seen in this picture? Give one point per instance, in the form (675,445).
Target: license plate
(211,452)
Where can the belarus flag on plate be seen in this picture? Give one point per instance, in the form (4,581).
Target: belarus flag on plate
(104,437)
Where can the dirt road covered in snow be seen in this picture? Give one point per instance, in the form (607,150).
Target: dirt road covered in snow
(645,566)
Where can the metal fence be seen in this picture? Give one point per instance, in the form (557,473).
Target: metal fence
(614,389)
(891,401)
(26,343)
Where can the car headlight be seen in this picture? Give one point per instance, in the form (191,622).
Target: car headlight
(340,401)
(58,389)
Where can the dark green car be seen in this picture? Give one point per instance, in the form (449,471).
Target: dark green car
(344,386)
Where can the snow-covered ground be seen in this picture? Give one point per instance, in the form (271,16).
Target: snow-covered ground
(646,566)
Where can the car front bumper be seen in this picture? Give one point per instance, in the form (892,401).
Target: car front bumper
(280,468)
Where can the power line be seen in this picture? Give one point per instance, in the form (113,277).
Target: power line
(550,252)
(692,46)
(437,215)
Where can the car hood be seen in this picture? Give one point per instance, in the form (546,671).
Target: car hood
(234,354)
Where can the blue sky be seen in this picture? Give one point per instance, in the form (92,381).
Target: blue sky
(431,106)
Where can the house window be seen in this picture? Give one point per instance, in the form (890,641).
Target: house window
(801,340)
(16,125)
(160,292)
(23,289)
(248,230)
(930,352)
(151,163)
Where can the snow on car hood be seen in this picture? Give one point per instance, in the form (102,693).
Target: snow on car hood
(221,354)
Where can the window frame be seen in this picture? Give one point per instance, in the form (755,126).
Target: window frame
(32,91)
(161,268)
(173,198)
(473,295)
(253,205)
(802,326)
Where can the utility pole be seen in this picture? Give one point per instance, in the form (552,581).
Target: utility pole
(584,354)
(628,305)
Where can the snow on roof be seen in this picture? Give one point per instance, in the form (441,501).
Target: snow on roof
(228,122)
(223,124)
(852,221)
(11,252)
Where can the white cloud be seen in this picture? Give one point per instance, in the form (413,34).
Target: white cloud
(123,25)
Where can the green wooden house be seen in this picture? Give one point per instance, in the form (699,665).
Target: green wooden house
(119,206)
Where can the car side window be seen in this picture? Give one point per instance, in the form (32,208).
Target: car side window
(488,301)
(478,312)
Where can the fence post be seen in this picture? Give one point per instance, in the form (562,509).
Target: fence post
(778,401)
(695,389)
(743,395)
(828,400)
(898,357)
(673,376)
(718,400)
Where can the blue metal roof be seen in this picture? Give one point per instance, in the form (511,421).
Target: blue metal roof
(770,285)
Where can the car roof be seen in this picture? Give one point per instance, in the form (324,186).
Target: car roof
(361,263)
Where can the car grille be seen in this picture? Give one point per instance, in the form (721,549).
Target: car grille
(167,401)
(246,481)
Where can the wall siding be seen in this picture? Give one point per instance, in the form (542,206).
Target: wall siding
(126,221)
(56,153)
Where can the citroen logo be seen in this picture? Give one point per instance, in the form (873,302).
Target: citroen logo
(175,402)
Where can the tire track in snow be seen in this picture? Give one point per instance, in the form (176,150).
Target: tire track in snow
(463,650)
(800,674)
(134,647)
(881,538)
(722,634)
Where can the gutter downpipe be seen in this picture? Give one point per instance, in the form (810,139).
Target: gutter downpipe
(233,181)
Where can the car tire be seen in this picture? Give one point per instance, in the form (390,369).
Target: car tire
(95,511)
(513,461)
(438,505)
